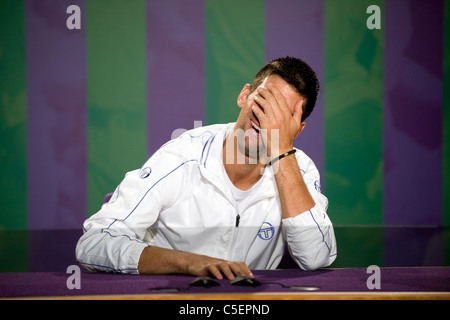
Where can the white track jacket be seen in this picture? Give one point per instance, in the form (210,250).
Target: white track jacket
(179,200)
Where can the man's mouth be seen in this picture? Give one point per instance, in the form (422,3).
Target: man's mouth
(255,126)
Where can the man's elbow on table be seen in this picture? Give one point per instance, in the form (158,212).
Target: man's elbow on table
(323,257)
(313,265)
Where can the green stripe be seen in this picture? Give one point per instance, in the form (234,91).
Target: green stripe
(353,99)
(13,116)
(14,250)
(359,247)
(235,51)
(116,93)
(446,117)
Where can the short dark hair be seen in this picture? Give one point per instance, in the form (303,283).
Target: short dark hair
(296,73)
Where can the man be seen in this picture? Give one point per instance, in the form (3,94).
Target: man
(222,200)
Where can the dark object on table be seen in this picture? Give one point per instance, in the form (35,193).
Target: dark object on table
(245,281)
(206,282)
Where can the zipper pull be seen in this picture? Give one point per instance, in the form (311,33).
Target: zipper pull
(238,217)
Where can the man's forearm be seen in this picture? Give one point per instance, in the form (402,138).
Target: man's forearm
(155,260)
(294,195)
(310,235)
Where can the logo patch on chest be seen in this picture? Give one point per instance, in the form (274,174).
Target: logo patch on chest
(267,231)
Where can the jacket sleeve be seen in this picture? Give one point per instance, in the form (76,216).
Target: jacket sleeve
(114,237)
(310,235)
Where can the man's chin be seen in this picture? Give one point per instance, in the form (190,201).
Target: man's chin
(254,152)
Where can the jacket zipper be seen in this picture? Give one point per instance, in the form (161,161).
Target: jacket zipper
(234,237)
(236,230)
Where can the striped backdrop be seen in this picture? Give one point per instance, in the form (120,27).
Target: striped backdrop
(79,108)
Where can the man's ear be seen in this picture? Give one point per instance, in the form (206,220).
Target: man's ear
(302,126)
(243,95)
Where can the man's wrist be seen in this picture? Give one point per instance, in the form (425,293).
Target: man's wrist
(281,156)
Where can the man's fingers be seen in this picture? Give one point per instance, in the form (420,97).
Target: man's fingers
(264,105)
(274,104)
(279,98)
(268,101)
(214,270)
(229,270)
(226,270)
(259,113)
(220,269)
(241,269)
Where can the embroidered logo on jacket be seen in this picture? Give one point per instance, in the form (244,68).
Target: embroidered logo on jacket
(267,231)
(145,172)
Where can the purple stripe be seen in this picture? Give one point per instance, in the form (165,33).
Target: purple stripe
(56,88)
(295,28)
(413,246)
(175,57)
(413,112)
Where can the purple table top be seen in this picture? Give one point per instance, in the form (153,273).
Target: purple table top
(405,279)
